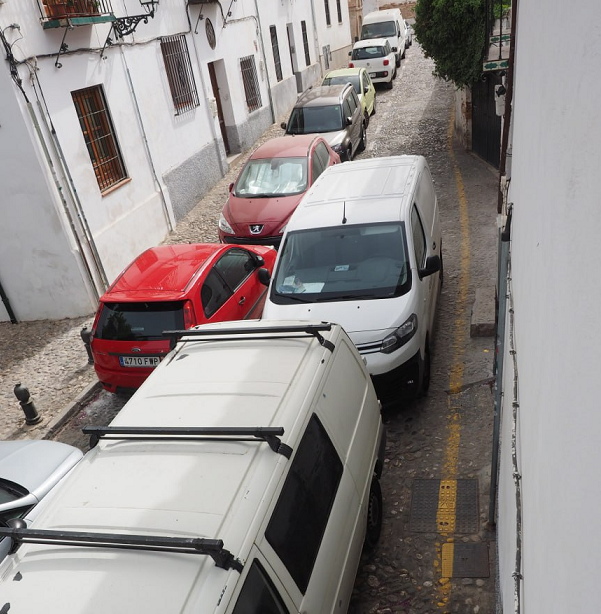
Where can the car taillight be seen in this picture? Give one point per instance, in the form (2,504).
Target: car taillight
(351,65)
(189,319)
(386,62)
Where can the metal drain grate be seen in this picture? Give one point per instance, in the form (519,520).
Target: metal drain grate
(444,506)
(465,561)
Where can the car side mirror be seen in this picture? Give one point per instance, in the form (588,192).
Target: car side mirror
(230,187)
(432,266)
(349,121)
(264,276)
(283,125)
(350,53)
(259,260)
(395,49)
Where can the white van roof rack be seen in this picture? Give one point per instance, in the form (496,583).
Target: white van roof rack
(290,333)
(269,434)
(157,543)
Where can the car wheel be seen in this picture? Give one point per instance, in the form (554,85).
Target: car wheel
(403,54)
(373,110)
(366,119)
(426,374)
(398,61)
(441,272)
(389,85)
(374,514)
(363,141)
(348,156)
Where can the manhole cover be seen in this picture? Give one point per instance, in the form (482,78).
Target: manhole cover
(465,561)
(444,506)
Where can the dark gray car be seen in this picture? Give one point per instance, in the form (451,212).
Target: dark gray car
(334,111)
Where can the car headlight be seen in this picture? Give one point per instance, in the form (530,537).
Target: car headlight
(224,226)
(400,336)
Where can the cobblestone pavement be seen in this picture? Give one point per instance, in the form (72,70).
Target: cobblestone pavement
(446,435)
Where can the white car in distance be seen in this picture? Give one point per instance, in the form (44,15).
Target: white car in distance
(377,57)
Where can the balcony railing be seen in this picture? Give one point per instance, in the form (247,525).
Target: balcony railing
(75,9)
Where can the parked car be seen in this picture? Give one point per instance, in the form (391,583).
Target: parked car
(269,187)
(360,80)
(388,24)
(241,478)
(376,56)
(363,249)
(29,470)
(334,111)
(172,287)
(409,33)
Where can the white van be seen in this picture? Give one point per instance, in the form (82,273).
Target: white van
(364,249)
(388,24)
(242,477)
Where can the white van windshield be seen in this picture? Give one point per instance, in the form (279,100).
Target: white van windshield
(343,263)
(381,29)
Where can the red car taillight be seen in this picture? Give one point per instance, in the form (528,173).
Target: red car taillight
(351,65)
(386,62)
(189,318)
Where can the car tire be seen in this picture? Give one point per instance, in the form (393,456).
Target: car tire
(374,514)
(366,119)
(426,371)
(363,142)
(441,272)
(348,156)
(398,61)
(389,85)
(373,111)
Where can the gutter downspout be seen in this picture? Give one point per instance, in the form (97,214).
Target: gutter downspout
(273,118)
(9,310)
(315,35)
(170,225)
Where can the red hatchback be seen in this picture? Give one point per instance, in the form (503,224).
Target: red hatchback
(270,186)
(173,287)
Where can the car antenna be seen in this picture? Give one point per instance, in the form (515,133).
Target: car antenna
(344,211)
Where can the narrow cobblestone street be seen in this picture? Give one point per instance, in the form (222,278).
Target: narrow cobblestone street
(445,436)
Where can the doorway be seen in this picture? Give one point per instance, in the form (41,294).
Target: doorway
(214,69)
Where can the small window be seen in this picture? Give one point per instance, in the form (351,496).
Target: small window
(301,514)
(353,101)
(419,238)
(321,151)
(251,83)
(179,73)
(99,135)
(305,43)
(339,9)
(317,166)
(276,52)
(214,293)
(348,111)
(235,266)
(327,7)
(258,595)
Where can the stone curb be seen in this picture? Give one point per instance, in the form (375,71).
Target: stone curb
(68,411)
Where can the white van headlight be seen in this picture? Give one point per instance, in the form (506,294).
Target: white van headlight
(400,336)
(224,226)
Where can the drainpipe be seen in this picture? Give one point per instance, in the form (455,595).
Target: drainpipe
(145,139)
(65,205)
(9,310)
(273,118)
(315,35)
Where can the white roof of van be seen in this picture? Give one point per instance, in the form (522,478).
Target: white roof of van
(382,15)
(211,489)
(363,191)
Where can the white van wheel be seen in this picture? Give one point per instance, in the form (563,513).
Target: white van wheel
(374,514)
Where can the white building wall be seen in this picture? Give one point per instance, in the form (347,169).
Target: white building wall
(336,36)
(556,291)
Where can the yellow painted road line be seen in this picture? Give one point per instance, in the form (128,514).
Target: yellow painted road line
(448,486)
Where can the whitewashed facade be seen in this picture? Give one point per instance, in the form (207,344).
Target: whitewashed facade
(70,226)
(555,292)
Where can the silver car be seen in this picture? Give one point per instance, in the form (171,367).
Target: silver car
(334,111)
(28,472)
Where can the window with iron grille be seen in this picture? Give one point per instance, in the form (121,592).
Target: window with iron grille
(339,9)
(327,6)
(99,135)
(305,42)
(179,73)
(251,83)
(276,52)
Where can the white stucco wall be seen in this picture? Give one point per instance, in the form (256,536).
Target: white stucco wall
(557,292)
(337,35)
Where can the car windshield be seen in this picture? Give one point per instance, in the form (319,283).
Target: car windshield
(308,120)
(368,53)
(343,263)
(139,321)
(341,80)
(272,177)
(382,29)
(9,491)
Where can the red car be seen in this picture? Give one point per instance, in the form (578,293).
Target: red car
(173,287)
(270,186)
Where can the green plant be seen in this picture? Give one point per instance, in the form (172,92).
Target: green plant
(453,34)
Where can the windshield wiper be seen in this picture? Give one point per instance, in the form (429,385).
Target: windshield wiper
(346,297)
(294,297)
